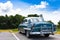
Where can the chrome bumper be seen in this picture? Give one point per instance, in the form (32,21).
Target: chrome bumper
(33,33)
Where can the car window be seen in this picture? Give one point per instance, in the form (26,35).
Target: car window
(29,21)
(25,20)
(36,19)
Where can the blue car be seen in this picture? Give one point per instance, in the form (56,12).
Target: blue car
(36,26)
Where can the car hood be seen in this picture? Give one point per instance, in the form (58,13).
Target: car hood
(42,23)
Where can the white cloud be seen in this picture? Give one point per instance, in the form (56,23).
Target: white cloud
(7,8)
(48,15)
(54,17)
(35,9)
(42,5)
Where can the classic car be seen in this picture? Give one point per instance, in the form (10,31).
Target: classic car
(36,26)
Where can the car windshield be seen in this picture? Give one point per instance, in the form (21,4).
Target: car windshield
(36,19)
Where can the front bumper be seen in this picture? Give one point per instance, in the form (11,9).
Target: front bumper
(37,33)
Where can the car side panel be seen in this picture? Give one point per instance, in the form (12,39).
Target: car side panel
(22,26)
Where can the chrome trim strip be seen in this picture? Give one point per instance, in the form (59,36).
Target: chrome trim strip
(27,28)
(40,32)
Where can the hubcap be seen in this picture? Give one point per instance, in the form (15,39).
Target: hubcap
(27,34)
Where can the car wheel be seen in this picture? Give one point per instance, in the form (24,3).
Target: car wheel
(27,34)
(46,35)
(19,31)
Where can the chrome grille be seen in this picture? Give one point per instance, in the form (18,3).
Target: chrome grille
(46,29)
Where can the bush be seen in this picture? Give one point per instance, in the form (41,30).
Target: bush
(10,22)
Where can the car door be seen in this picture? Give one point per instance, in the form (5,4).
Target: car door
(24,25)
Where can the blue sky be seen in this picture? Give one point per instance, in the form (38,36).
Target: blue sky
(53,4)
(49,8)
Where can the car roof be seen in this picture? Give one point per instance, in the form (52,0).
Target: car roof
(31,17)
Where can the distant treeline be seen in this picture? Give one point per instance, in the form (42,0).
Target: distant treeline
(11,22)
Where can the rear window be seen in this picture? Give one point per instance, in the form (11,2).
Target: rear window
(36,19)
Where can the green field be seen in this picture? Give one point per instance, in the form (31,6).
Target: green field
(57,31)
(16,30)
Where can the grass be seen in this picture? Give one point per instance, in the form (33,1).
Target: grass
(58,31)
(16,30)
(9,30)
(5,30)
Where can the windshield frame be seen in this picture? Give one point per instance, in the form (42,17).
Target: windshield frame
(36,20)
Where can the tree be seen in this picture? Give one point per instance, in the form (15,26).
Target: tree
(50,21)
(33,15)
(18,19)
(58,24)
(10,22)
(2,22)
